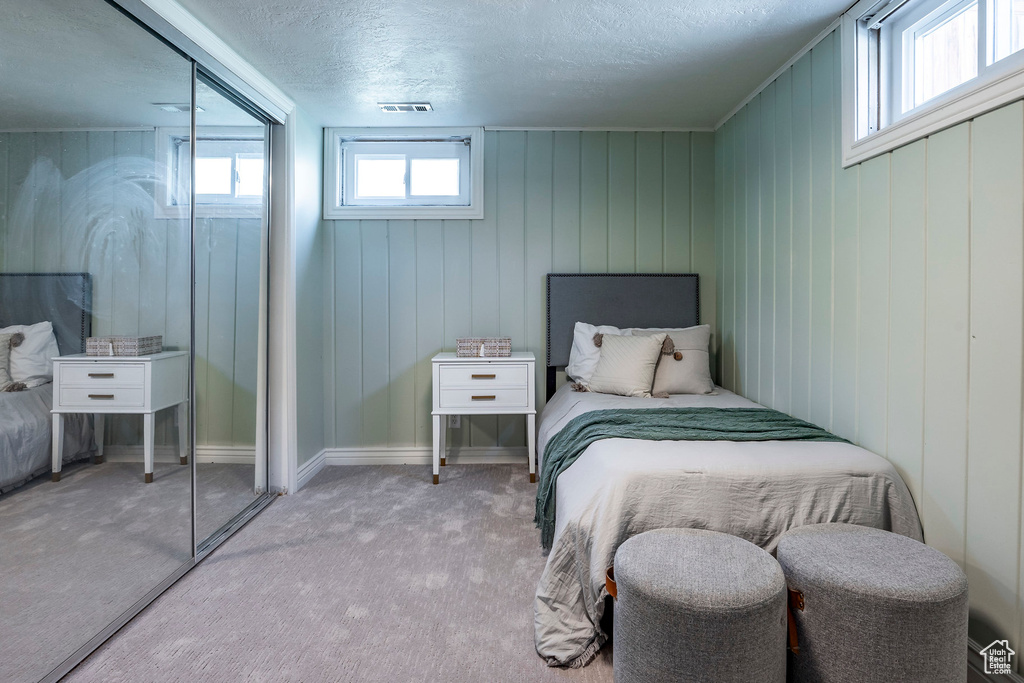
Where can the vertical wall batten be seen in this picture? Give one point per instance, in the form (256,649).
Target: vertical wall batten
(701,226)
(783,365)
(766,284)
(995,410)
(802,235)
(752,320)
(740,236)
(907,314)
(943,503)
(555,201)
(823,163)
(897,316)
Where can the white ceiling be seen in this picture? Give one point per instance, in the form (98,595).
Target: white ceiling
(544,63)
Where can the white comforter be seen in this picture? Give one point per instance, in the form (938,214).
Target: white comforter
(25,435)
(755,490)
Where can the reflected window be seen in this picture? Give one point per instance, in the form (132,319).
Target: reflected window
(229,172)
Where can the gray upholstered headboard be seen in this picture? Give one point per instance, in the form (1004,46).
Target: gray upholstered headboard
(622,300)
(65,299)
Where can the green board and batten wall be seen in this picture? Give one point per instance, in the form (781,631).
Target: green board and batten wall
(884,301)
(398,292)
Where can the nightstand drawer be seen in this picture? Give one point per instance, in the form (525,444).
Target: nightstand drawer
(484,398)
(482,375)
(98,399)
(103,374)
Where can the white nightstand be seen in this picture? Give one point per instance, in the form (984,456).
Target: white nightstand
(483,386)
(120,385)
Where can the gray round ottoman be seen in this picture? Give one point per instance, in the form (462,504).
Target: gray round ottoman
(877,607)
(697,605)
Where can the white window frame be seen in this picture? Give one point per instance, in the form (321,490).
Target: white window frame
(338,182)
(173,192)
(997,84)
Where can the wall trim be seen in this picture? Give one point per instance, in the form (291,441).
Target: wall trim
(611,129)
(782,69)
(412,455)
(309,469)
(233,455)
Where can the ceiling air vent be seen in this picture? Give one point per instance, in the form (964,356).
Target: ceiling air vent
(176,107)
(398,107)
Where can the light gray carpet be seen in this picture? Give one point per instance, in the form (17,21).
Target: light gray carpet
(75,554)
(367,574)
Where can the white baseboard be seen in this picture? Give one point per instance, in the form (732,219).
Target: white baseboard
(383,455)
(230,455)
(309,469)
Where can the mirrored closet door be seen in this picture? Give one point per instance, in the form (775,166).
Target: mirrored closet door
(87,252)
(231,194)
(133,279)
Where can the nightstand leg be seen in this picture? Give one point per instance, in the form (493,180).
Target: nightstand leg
(147,445)
(98,426)
(443,451)
(58,445)
(437,448)
(531,442)
(183,432)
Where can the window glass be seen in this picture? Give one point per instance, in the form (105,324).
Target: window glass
(380,176)
(250,176)
(213,175)
(945,54)
(1007,28)
(434,177)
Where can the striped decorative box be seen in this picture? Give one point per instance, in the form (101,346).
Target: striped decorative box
(123,346)
(483,347)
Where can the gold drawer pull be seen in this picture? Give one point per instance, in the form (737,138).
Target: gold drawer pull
(484,398)
(104,375)
(102,396)
(484,376)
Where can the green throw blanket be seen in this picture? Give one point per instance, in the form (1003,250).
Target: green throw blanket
(659,424)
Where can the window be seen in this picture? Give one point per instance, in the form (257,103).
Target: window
(912,67)
(403,173)
(229,172)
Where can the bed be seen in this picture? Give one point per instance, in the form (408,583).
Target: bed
(617,488)
(64,299)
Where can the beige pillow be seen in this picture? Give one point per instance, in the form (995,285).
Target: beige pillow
(584,354)
(627,364)
(691,373)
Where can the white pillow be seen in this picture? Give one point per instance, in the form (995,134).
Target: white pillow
(691,373)
(627,364)
(584,354)
(32,359)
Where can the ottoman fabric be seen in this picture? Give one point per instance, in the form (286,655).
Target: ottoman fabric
(877,607)
(698,606)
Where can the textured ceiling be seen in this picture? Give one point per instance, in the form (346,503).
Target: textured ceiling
(545,63)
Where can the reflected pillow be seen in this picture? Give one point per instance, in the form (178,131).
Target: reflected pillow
(6,383)
(688,370)
(584,354)
(31,361)
(626,366)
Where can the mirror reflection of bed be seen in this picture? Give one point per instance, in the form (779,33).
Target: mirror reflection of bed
(63,542)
